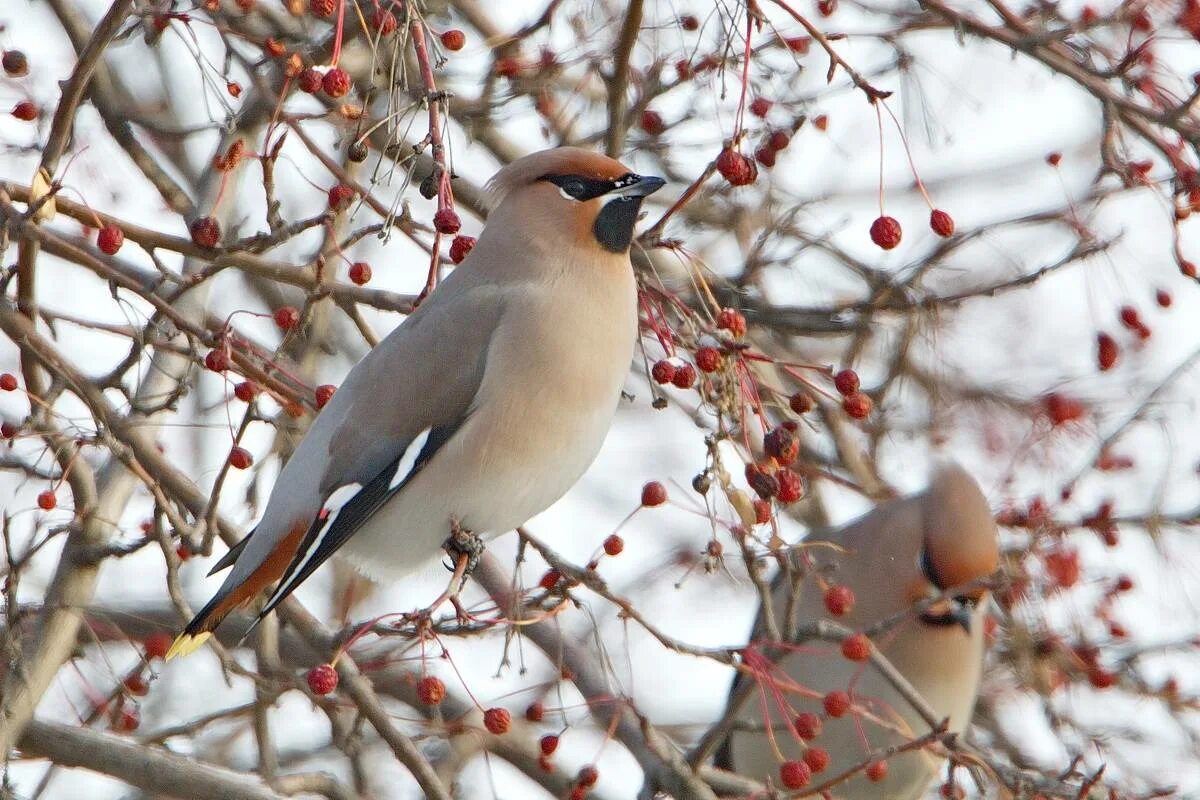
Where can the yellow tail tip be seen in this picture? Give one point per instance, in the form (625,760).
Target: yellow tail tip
(185,643)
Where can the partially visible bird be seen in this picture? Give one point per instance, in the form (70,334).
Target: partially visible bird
(481,409)
(904,551)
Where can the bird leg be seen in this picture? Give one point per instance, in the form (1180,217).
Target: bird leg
(465,548)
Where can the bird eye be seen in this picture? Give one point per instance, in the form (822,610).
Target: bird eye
(964,600)
(573,188)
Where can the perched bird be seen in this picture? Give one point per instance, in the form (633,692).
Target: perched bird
(481,409)
(904,551)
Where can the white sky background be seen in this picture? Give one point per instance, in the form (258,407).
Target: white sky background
(980,123)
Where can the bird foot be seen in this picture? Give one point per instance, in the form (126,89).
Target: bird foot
(465,548)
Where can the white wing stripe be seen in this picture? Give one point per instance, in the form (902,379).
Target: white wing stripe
(411,453)
(337,499)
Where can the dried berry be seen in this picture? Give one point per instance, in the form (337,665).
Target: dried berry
(336,82)
(689,23)
(759,106)
(15,63)
(286,317)
(652,123)
(217,360)
(309,81)
(685,376)
(1106,351)
(431,690)
(384,22)
(240,458)
(613,545)
(654,494)
(782,444)
(360,272)
(778,140)
(128,721)
(446,221)
(8,382)
(535,712)
(791,486)
(322,679)
(942,223)
(497,720)
(156,645)
(205,231)
(25,111)
(461,247)
(454,39)
(136,685)
(765,155)
(662,372)
(324,393)
(794,774)
(857,405)
(732,320)
(761,481)
(322,8)
(708,359)
(550,579)
(839,600)
(885,232)
(587,776)
(110,239)
(846,382)
(357,152)
(736,168)
(801,403)
(548,744)
(762,512)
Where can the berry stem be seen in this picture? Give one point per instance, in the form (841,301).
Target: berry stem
(337,34)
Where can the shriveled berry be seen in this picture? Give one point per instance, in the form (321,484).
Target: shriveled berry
(761,481)
(47,501)
(535,711)
(817,758)
(836,703)
(454,39)
(550,579)
(798,44)
(322,8)
(384,22)
(497,720)
(548,744)
(1062,566)
(846,382)
(794,774)
(760,106)
(765,155)
(730,319)
(340,196)
(460,247)
(360,272)
(15,63)
(309,81)
(782,444)
(110,239)
(708,359)
(431,690)
(801,402)
(778,140)
(324,393)
(587,776)
(205,231)
(357,152)
(25,111)
(8,382)
(942,223)
(613,545)
(856,647)
(136,685)
(654,494)
(807,725)
(286,317)
(652,122)
(1106,351)
(762,512)
(446,221)
(885,232)
(791,486)
(322,679)
(857,405)
(336,82)
(736,168)
(1053,159)
(689,22)
(839,600)
(128,721)
(685,376)
(217,360)
(240,458)
(662,372)
(8,430)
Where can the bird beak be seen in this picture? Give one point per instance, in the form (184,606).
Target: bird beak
(961,614)
(637,186)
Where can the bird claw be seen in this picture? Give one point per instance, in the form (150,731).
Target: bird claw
(463,544)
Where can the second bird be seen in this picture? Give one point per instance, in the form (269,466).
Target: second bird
(481,409)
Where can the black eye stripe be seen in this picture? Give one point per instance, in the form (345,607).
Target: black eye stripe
(583,188)
(929,570)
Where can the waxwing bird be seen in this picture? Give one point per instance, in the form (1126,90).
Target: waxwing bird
(904,551)
(481,409)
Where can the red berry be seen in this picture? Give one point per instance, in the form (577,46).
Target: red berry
(156,645)
(846,382)
(685,376)
(548,744)
(782,444)
(613,545)
(736,168)
(1187,268)
(877,771)
(885,232)
(384,21)
(587,776)
(821,122)
(654,494)
(550,579)
(761,481)
(759,106)
(324,393)
(322,679)
(322,8)
(1106,351)
(136,685)
(839,600)
(340,196)
(8,382)
(309,81)
(128,720)
(7,430)
(798,44)
(791,486)
(460,247)
(662,372)
(778,140)
(1124,584)
(801,403)
(765,156)
(1061,409)
(1163,298)
(826,8)
(206,232)
(1129,317)
(446,221)
(807,725)
(431,690)
(856,647)
(336,82)
(652,122)
(454,39)
(46,500)
(360,272)
(708,359)
(240,458)
(794,774)
(942,223)
(508,68)
(1062,567)
(535,712)
(286,317)
(545,764)
(110,239)
(730,319)
(857,405)
(817,758)
(497,720)
(1053,159)
(836,703)
(25,111)
(15,63)
(217,360)
(689,22)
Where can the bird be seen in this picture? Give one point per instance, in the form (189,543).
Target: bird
(904,551)
(481,409)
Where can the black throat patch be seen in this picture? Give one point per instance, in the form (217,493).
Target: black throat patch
(613,228)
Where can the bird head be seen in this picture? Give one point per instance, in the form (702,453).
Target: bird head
(959,546)
(571,197)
